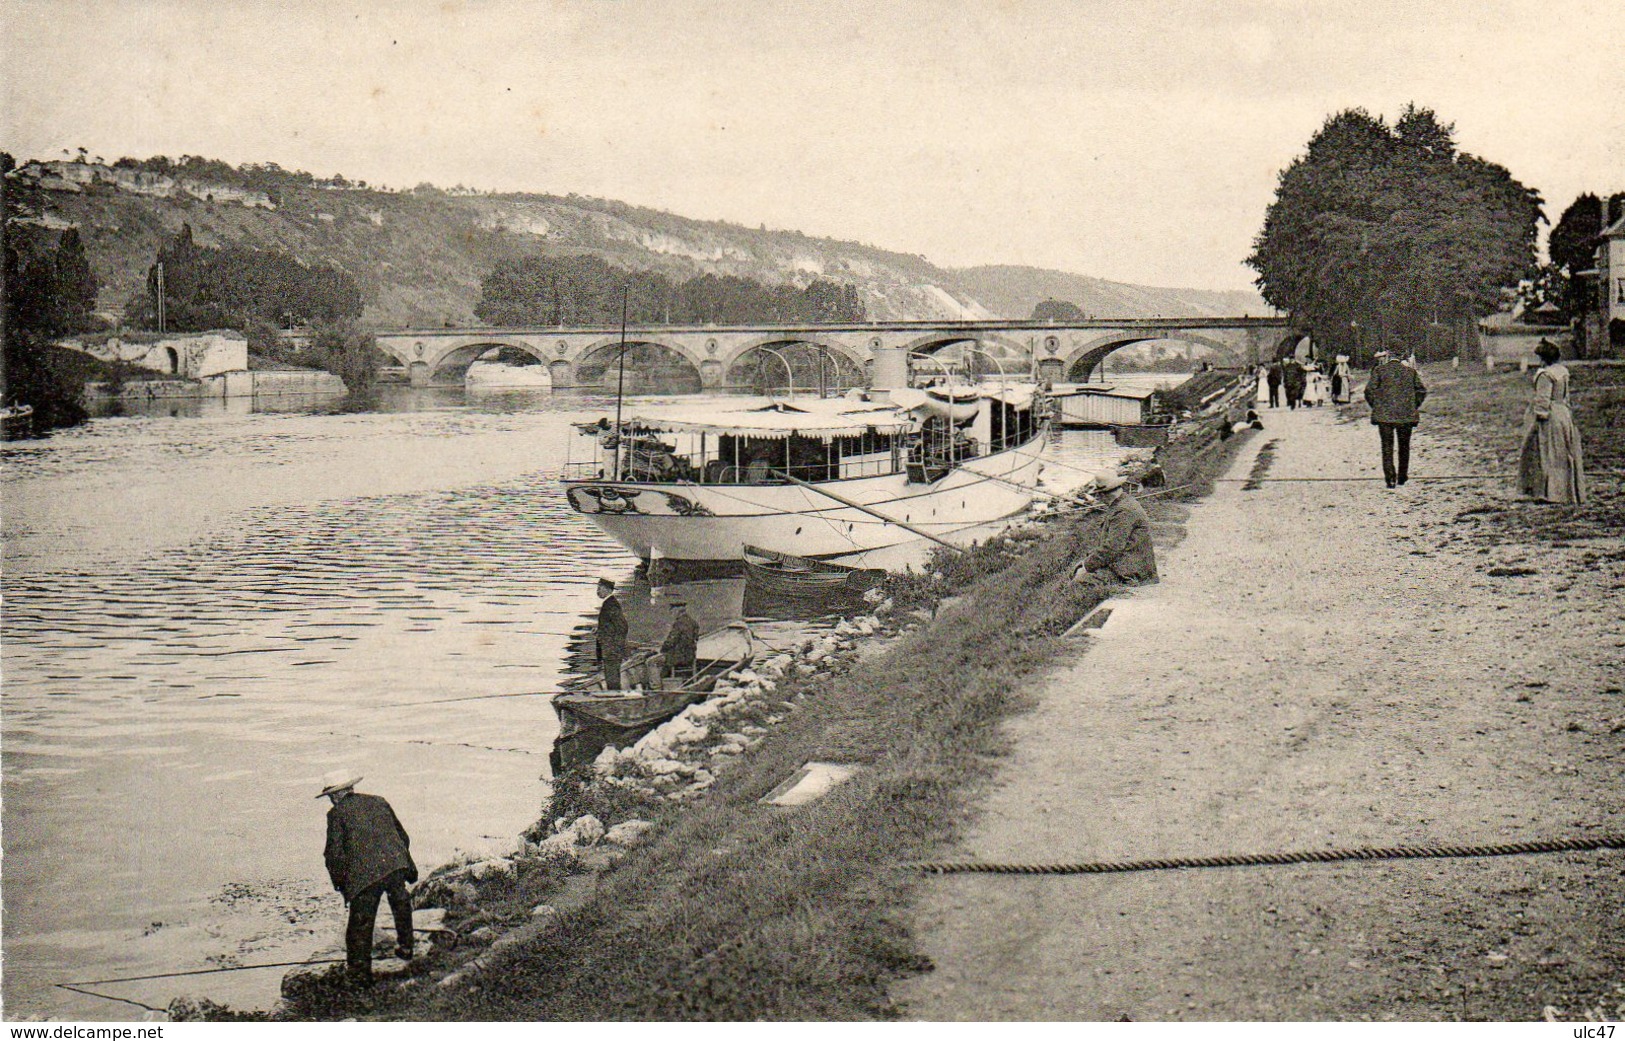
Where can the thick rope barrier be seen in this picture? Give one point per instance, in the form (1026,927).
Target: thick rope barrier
(1317,856)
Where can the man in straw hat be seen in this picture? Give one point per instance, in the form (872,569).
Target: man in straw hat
(1124,554)
(367,856)
(1395,394)
(611,640)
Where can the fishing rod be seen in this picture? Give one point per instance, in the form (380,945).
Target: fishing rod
(78,987)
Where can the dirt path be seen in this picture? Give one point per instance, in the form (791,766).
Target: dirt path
(1323,665)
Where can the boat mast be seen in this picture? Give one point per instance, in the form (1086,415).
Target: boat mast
(620,383)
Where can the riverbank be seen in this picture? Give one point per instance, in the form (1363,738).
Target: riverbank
(1327,663)
(729,909)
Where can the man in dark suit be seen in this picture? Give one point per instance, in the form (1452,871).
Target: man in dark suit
(367,856)
(1272,376)
(611,633)
(1395,394)
(682,642)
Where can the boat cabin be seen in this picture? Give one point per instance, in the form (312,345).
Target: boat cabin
(815,441)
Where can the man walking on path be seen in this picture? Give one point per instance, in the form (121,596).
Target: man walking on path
(611,639)
(1395,393)
(367,856)
(1124,554)
(1272,376)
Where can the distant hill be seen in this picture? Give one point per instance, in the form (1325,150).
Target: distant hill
(420,255)
(1011,292)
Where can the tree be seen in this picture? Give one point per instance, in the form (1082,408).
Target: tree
(1382,235)
(1057,311)
(347,352)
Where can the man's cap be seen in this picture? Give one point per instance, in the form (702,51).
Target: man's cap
(1106,480)
(1383,354)
(335,781)
(608,578)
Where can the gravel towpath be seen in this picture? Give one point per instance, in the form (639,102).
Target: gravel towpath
(1325,664)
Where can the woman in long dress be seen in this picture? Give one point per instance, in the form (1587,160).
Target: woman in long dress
(1551,469)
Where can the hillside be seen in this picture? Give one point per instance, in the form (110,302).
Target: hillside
(419,256)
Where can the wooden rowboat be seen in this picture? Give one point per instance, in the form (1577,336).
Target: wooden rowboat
(782,574)
(591,720)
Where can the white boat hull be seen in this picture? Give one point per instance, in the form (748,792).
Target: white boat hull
(682,521)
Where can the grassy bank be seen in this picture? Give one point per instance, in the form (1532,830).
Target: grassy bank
(733,910)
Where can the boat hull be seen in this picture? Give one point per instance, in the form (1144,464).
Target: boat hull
(683,521)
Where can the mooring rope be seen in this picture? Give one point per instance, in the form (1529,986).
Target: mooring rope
(1313,856)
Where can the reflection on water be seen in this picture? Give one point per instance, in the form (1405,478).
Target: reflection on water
(207,610)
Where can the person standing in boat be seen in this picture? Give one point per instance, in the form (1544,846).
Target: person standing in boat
(1550,468)
(1124,554)
(611,640)
(368,856)
(682,642)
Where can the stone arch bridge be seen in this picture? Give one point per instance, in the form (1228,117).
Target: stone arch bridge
(1047,350)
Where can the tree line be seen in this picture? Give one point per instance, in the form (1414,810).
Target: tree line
(583,291)
(1388,236)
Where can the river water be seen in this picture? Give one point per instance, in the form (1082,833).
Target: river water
(205,611)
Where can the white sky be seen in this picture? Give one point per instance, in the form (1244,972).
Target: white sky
(1134,139)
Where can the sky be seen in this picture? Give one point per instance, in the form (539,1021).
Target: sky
(1135,140)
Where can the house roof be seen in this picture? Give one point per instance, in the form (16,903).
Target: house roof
(1615,230)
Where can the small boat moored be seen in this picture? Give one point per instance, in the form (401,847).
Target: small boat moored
(785,575)
(590,720)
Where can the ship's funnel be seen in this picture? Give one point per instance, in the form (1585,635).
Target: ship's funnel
(890,368)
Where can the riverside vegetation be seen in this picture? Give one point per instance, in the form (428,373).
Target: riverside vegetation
(700,903)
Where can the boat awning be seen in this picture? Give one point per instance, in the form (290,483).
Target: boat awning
(773,424)
(1015,397)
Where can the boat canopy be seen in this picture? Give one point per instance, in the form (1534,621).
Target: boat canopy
(775,422)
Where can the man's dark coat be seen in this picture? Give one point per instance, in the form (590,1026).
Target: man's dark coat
(1395,393)
(365,842)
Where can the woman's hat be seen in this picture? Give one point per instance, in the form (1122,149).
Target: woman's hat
(335,781)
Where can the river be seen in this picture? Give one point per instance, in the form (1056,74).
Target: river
(205,611)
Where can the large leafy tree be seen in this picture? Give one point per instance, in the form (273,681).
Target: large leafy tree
(207,288)
(1389,234)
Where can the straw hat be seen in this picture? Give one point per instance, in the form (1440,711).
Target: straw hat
(1107,480)
(334,781)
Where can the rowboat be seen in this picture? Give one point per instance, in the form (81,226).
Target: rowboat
(785,575)
(593,719)
(810,478)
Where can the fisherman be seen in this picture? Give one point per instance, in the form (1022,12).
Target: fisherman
(611,633)
(1124,554)
(682,641)
(367,856)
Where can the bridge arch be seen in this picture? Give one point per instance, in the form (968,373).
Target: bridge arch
(834,346)
(933,342)
(1090,355)
(424,361)
(595,362)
